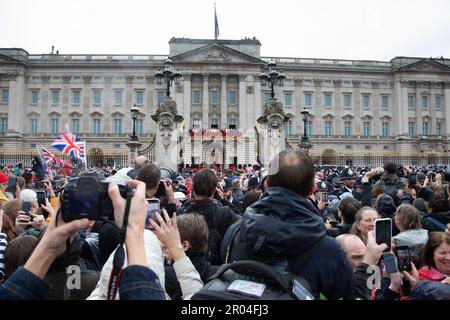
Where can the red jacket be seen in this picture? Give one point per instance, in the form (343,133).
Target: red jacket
(430,273)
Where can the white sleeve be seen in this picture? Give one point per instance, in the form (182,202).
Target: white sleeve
(188,277)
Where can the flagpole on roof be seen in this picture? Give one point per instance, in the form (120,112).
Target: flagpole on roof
(216,24)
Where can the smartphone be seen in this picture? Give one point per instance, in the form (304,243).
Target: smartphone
(26,206)
(12,182)
(324,196)
(390,262)
(153,207)
(41,196)
(383,232)
(403,258)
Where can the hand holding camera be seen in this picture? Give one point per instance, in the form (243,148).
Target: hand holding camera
(53,244)
(134,238)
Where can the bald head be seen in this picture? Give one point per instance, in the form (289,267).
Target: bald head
(353,247)
(139,161)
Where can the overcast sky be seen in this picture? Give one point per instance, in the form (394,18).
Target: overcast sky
(340,29)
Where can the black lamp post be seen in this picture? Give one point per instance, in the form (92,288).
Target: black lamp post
(168,76)
(273,77)
(305,143)
(134,114)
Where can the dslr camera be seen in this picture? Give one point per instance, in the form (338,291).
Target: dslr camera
(87,197)
(166,175)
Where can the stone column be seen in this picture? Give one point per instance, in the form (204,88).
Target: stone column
(106,106)
(419,112)
(338,109)
(187,102)
(66,102)
(446,107)
(16,111)
(403,110)
(205,105)
(257,100)
(128,103)
(86,104)
(223,103)
(243,124)
(186,111)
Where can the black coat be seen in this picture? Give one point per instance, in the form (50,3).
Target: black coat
(201,264)
(38,167)
(341,228)
(218,218)
(281,226)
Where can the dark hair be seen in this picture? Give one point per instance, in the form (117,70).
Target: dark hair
(21,182)
(17,252)
(390,167)
(421,205)
(193,228)
(438,204)
(250,197)
(28,177)
(8,227)
(408,217)
(205,183)
(435,239)
(293,170)
(12,208)
(349,207)
(150,174)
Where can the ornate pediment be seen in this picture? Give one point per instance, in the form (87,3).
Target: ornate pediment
(54,114)
(75,114)
(96,114)
(117,114)
(425,65)
(216,53)
(349,116)
(33,114)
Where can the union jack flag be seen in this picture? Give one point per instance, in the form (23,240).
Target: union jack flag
(50,158)
(70,144)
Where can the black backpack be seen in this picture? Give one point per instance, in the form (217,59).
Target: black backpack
(390,189)
(253,280)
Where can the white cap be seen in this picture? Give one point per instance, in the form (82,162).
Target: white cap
(179,196)
(28,195)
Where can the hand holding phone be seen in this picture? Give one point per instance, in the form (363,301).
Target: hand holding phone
(390,262)
(26,207)
(152,208)
(383,232)
(403,258)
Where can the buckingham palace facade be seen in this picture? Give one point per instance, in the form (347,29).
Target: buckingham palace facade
(363,112)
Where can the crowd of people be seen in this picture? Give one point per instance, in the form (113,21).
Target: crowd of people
(315,222)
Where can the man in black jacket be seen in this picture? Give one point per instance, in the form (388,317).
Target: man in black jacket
(218,217)
(284,224)
(347,211)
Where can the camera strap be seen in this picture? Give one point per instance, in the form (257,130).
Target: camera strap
(119,255)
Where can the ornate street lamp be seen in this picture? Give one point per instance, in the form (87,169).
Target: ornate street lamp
(133,143)
(134,114)
(305,144)
(273,77)
(168,76)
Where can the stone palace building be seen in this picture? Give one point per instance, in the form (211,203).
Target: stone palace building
(360,112)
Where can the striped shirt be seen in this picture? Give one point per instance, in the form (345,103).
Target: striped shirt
(3,243)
